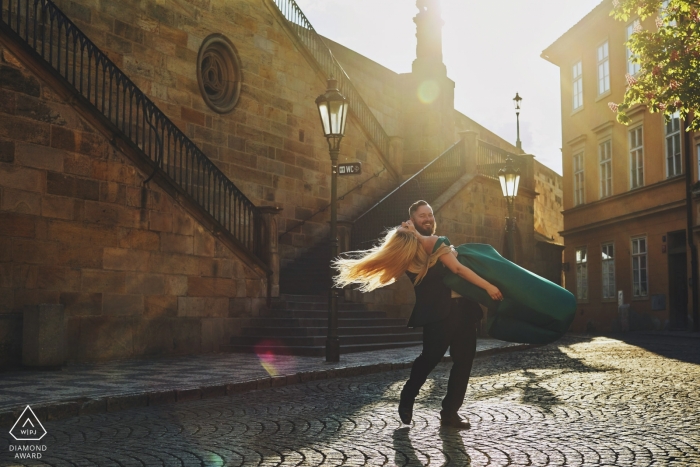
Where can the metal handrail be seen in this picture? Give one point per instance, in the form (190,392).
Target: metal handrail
(323,209)
(324,57)
(51,36)
(490,159)
(427,184)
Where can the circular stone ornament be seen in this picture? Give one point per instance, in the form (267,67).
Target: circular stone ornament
(219,73)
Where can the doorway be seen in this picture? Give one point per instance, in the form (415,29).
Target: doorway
(677,280)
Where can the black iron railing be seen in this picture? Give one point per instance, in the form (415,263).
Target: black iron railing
(490,159)
(318,49)
(56,40)
(427,184)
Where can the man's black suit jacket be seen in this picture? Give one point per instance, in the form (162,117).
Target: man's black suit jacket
(433,298)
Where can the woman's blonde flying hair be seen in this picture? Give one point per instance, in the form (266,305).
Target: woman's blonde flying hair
(381,265)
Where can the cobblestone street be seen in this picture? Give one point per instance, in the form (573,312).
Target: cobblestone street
(595,401)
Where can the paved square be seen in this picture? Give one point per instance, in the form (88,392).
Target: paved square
(584,402)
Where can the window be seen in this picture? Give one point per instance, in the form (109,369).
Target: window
(698,154)
(639,267)
(603,69)
(605,155)
(581,273)
(632,68)
(673,146)
(577,76)
(636,157)
(608,270)
(578,179)
(663,13)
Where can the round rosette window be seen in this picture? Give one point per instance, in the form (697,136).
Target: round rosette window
(219,73)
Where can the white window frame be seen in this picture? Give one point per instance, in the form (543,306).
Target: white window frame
(579,179)
(603,54)
(640,266)
(577,85)
(608,270)
(605,164)
(697,152)
(636,156)
(632,68)
(582,273)
(674,152)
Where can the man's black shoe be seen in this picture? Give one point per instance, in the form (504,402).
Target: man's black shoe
(405,412)
(455,421)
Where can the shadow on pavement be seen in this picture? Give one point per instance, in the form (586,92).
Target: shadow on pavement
(677,346)
(536,372)
(452,447)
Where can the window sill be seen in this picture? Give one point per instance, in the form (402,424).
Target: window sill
(604,95)
(577,110)
(675,176)
(640,299)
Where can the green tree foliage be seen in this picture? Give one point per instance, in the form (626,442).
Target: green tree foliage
(668,52)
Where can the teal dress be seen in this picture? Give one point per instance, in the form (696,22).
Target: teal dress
(534,310)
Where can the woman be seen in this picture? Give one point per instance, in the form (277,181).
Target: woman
(523,307)
(404,249)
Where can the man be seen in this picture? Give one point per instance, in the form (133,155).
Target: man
(448,320)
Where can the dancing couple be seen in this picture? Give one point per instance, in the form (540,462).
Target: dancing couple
(448,319)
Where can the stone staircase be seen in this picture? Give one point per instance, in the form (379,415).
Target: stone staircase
(298,325)
(310,274)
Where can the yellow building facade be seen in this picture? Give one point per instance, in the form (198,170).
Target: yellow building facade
(624,192)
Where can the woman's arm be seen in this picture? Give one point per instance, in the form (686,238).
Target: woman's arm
(467,274)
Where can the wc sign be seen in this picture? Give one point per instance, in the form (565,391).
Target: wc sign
(28,427)
(350,168)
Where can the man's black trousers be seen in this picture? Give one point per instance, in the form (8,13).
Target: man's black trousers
(458,332)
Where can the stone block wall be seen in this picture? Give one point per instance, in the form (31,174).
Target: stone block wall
(380,87)
(271,145)
(549,220)
(136,273)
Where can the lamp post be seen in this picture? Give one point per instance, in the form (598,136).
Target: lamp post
(510,179)
(333,110)
(516,101)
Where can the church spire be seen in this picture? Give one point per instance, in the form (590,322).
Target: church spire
(429,34)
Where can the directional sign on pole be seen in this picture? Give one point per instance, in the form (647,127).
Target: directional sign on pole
(350,168)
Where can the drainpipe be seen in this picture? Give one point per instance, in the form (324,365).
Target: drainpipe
(689,218)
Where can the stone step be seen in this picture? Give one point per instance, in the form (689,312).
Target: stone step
(323,331)
(303,298)
(294,341)
(321,322)
(322,314)
(314,350)
(315,306)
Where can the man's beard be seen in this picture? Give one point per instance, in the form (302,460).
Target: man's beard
(425,232)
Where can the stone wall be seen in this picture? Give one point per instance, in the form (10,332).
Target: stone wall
(380,88)
(136,273)
(464,123)
(549,220)
(271,145)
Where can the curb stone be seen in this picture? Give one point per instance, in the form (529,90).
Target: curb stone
(89,406)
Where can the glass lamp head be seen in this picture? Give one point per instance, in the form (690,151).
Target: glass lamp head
(510,179)
(516,101)
(333,110)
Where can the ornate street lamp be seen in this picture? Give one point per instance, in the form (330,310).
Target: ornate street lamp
(510,180)
(333,109)
(516,101)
